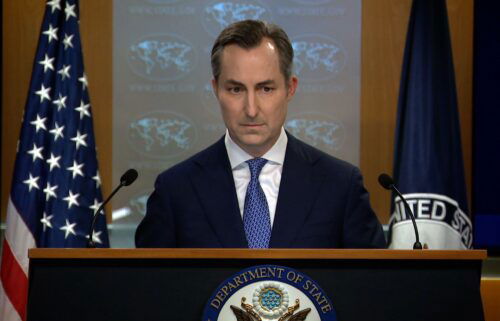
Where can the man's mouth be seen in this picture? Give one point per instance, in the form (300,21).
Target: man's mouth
(252,125)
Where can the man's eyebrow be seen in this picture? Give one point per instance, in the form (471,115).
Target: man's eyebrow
(260,84)
(266,83)
(233,82)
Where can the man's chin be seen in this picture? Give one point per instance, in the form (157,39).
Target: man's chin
(254,141)
(252,130)
(250,142)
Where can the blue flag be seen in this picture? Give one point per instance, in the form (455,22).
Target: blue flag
(428,165)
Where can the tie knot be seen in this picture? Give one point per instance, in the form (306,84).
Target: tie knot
(256,165)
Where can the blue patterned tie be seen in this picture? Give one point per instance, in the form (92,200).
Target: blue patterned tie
(256,212)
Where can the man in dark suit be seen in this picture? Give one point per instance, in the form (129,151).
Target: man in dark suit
(258,186)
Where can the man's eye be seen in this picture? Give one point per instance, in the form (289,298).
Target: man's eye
(235,90)
(267,89)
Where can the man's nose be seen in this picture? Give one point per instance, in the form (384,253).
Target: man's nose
(251,105)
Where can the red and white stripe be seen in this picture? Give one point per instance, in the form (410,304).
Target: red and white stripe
(14,267)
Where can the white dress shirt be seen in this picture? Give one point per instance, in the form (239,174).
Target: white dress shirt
(270,176)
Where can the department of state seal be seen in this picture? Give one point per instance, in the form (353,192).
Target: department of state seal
(269,293)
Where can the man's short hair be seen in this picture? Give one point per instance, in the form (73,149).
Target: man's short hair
(248,34)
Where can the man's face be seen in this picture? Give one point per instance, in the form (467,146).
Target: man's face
(253,95)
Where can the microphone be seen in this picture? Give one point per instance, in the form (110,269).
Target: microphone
(127,178)
(388,183)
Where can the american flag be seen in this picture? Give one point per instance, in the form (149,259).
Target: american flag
(56,184)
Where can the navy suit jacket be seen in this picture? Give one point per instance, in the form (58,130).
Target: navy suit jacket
(321,204)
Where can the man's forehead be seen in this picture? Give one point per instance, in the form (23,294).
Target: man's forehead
(262,57)
(265,45)
(251,66)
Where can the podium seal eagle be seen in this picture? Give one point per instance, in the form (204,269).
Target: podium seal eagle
(269,293)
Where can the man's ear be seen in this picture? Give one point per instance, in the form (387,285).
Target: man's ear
(215,88)
(292,86)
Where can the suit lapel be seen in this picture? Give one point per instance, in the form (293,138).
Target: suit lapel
(297,192)
(214,184)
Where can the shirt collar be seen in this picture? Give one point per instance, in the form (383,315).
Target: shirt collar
(275,155)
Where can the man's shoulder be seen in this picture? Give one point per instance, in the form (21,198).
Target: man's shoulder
(319,159)
(212,154)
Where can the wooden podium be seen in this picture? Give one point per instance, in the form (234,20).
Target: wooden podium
(175,284)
